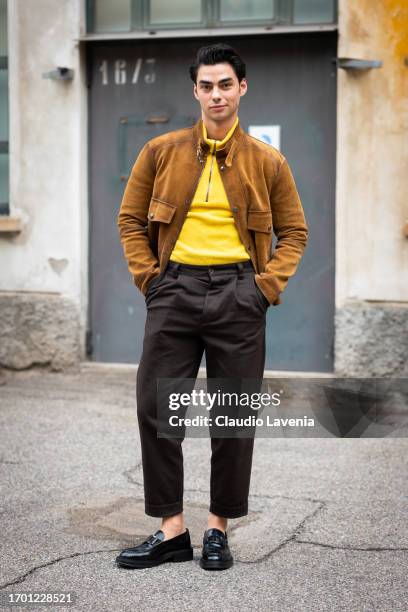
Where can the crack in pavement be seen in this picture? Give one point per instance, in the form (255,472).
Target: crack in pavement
(290,498)
(53,562)
(291,538)
(336,547)
(128,474)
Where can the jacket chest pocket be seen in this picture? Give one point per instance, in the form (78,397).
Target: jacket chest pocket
(161,211)
(260,221)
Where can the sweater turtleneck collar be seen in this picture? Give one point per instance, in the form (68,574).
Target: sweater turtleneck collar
(219,144)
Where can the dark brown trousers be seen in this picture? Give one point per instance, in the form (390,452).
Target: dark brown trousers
(191,309)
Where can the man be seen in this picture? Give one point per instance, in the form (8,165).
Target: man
(196,224)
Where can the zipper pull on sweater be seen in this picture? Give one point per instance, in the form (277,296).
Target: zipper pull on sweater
(211,169)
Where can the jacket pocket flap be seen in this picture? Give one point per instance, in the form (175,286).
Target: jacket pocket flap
(161,211)
(260,221)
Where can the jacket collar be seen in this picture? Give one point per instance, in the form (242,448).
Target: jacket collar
(227,152)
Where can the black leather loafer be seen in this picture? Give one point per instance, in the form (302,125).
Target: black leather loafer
(156,550)
(216,553)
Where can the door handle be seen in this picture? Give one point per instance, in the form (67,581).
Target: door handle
(158,119)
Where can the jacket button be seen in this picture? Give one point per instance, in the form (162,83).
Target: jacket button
(222,167)
(151,215)
(234,209)
(249,247)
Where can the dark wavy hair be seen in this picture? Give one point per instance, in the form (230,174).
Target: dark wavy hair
(218,54)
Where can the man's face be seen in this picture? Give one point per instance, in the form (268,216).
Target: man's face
(218,91)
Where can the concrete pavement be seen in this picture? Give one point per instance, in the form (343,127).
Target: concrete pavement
(327,528)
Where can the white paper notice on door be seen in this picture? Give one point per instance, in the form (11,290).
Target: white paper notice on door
(267,133)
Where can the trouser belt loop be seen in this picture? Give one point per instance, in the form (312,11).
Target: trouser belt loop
(240,270)
(175,270)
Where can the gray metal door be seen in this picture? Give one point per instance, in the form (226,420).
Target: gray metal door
(141,89)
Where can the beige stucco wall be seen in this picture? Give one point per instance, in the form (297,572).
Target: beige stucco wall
(48,182)
(372,153)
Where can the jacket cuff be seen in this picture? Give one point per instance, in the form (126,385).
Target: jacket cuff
(144,285)
(269,287)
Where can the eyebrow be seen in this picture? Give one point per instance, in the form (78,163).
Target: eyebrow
(226,80)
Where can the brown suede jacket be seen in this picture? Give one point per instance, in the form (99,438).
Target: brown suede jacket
(260,189)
